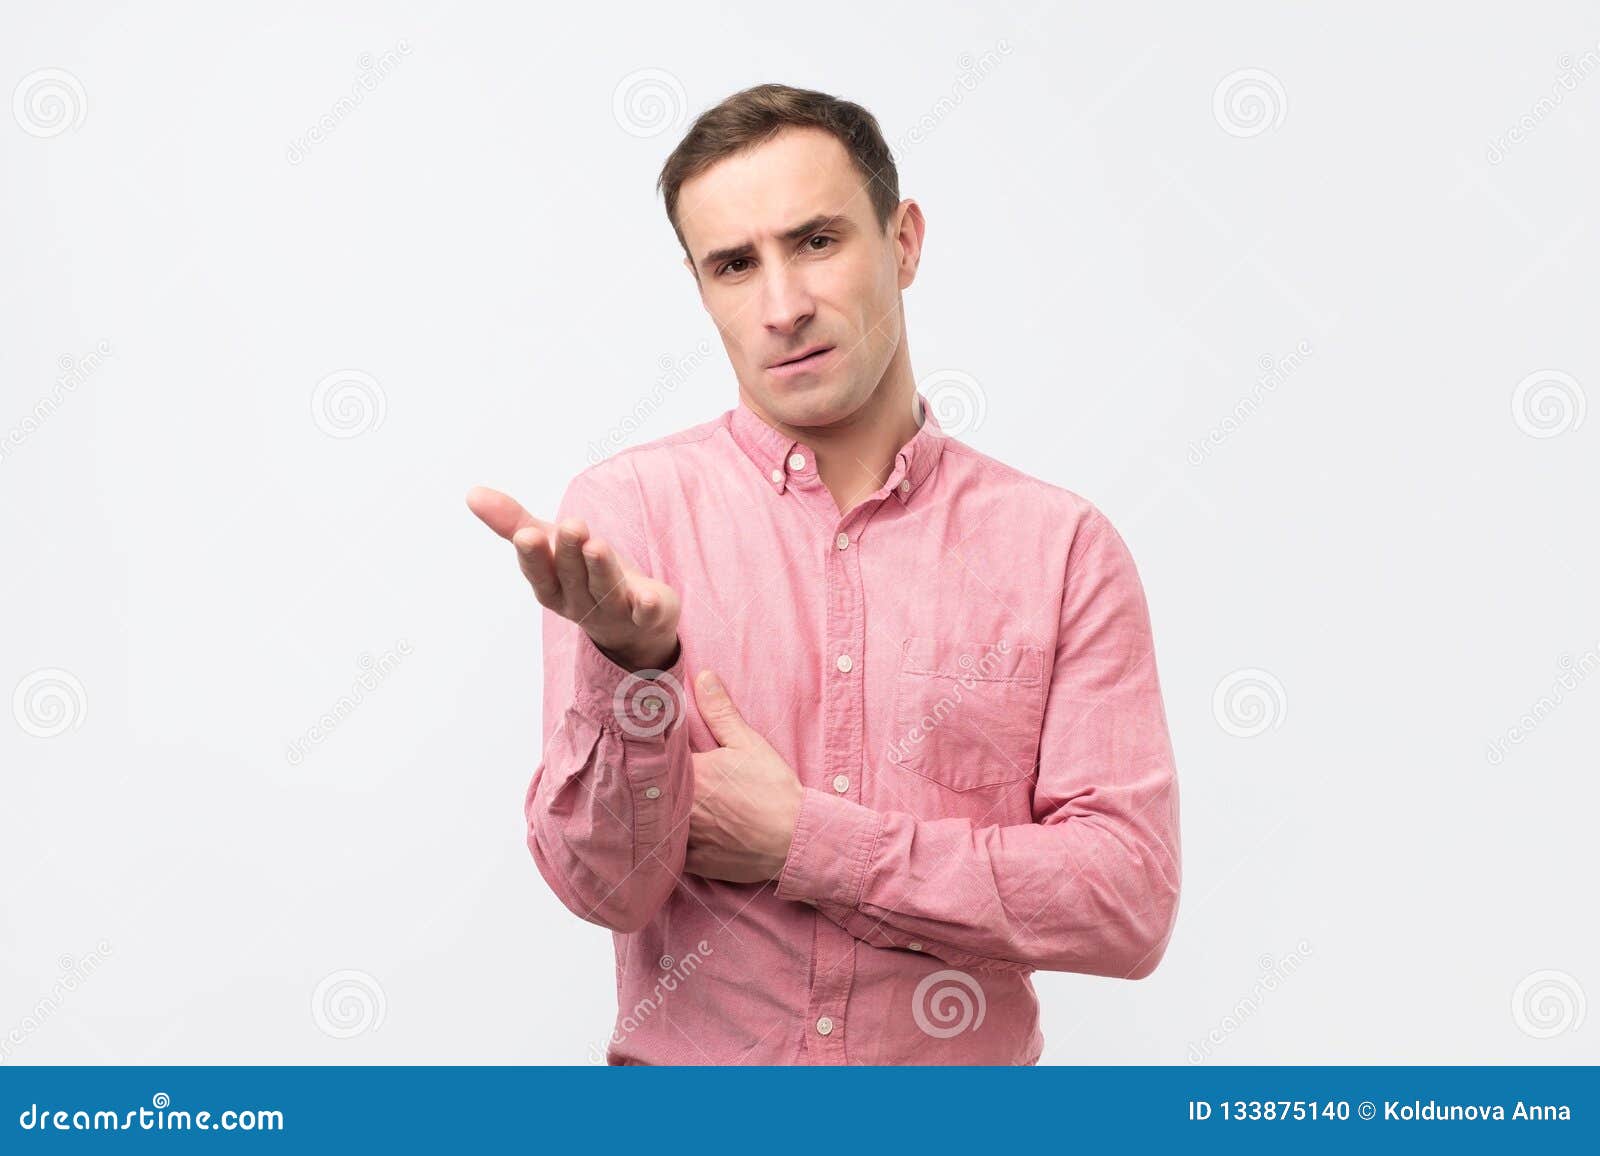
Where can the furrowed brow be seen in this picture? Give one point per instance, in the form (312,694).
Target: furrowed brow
(830,221)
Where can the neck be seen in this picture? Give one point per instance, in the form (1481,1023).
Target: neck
(856,456)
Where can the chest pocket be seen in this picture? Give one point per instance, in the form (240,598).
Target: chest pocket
(967,714)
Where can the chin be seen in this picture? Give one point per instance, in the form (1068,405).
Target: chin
(810,404)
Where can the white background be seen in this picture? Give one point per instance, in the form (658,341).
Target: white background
(1394,534)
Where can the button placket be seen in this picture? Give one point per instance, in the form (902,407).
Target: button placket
(843,708)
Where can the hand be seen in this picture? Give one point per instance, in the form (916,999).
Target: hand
(746,798)
(630,616)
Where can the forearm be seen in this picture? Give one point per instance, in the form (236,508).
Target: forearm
(1093,893)
(607,809)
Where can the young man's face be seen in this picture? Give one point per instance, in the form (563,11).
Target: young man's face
(789,257)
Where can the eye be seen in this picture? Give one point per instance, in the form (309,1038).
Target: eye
(731,264)
(818,237)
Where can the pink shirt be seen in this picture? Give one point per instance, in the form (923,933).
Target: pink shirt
(961,673)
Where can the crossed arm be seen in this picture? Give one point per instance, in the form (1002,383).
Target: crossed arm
(619,807)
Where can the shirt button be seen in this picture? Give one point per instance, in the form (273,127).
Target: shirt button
(797,461)
(777,475)
(841,783)
(825,1025)
(844,663)
(842,541)
(652,792)
(905,485)
(914,946)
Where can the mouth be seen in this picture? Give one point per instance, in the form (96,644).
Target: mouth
(808,361)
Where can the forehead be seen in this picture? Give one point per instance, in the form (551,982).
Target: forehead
(796,175)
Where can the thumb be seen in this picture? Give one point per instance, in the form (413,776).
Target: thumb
(726,723)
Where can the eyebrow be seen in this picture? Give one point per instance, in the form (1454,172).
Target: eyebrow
(835,221)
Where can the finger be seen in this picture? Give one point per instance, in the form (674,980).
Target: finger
(573,574)
(501,512)
(607,584)
(652,601)
(721,716)
(538,567)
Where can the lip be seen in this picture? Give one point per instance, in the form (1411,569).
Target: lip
(809,362)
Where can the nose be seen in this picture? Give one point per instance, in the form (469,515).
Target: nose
(786,301)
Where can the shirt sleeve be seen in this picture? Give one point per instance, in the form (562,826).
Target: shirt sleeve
(1091,885)
(608,807)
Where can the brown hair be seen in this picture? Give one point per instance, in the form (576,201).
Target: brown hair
(754,116)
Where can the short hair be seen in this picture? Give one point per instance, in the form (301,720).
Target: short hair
(753,116)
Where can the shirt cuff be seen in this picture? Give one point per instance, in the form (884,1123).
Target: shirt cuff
(643,706)
(831,850)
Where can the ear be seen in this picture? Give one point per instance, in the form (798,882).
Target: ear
(910,227)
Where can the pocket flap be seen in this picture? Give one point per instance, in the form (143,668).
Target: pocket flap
(1001,661)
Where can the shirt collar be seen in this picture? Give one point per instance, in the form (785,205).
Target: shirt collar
(780,457)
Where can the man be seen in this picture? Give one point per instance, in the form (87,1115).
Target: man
(926,752)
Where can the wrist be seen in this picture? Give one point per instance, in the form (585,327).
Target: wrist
(786,826)
(635,661)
